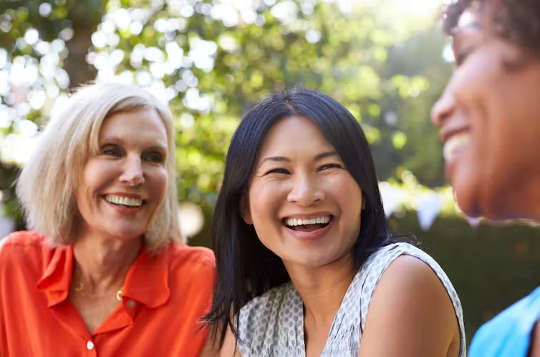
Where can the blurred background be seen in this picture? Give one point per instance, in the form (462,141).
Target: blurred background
(385,60)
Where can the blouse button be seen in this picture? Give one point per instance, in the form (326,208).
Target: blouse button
(90,345)
(131,304)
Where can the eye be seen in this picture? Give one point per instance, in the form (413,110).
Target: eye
(461,56)
(154,156)
(328,166)
(278,170)
(111,150)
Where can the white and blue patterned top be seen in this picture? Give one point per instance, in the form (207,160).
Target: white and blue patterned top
(272,325)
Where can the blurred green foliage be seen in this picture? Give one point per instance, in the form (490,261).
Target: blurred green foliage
(211,64)
(380,71)
(490,266)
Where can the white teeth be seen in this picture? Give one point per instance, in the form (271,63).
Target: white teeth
(293,222)
(454,143)
(122,200)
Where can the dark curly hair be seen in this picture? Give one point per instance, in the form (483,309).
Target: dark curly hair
(515,21)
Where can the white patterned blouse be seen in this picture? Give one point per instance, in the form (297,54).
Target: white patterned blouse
(272,325)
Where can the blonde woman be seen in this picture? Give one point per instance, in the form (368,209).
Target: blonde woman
(105,271)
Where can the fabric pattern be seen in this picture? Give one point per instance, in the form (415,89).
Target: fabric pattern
(272,324)
(509,333)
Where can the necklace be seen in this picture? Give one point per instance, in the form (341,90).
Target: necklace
(80,289)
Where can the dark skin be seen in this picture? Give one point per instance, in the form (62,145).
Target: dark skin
(491,98)
(535,341)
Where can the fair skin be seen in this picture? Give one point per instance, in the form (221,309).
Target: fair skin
(488,118)
(300,176)
(121,189)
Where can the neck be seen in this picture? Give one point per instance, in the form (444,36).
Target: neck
(519,201)
(102,264)
(532,203)
(322,289)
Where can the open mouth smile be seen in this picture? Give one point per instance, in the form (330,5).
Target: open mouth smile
(307,225)
(455,144)
(124,201)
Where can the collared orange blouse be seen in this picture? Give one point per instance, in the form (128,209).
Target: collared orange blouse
(164,297)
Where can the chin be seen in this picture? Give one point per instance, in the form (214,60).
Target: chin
(307,261)
(126,234)
(470,192)
(503,212)
(465,199)
(494,209)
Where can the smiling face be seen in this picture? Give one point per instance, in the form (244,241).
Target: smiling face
(489,116)
(304,204)
(123,185)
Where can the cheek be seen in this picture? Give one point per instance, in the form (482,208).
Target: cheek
(97,174)
(475,79)
(264,201)
(349,197)
(347,191)
(160,180)
(88,182)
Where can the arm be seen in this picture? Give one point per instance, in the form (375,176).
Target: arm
(410,314)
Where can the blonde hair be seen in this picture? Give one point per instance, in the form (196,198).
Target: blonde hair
(47,182)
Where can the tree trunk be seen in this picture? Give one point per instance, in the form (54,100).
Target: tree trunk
(84,17)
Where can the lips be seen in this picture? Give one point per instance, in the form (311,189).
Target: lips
(315,221)
(308,227)
(125,200)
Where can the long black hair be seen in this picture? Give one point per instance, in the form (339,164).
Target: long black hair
(245,267)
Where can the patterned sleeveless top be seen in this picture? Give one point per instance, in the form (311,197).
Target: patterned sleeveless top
(272,325)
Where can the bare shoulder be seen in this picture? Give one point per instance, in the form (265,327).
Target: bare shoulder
(410,284)
(412,309)
(407,269)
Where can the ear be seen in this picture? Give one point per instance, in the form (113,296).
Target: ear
(244,209)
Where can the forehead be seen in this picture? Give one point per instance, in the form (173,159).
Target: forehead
(142,117)
(294,134)
(143,124)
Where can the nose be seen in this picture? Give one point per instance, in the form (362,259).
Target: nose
(443,108)
(305,191)
(132,171)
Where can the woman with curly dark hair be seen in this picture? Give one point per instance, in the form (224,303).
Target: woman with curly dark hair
(489,116)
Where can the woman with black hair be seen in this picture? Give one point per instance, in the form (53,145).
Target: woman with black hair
(489,120)
(305,263)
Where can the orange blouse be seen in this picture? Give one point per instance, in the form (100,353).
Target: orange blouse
(164,297)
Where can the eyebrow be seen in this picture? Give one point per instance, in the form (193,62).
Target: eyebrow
(286,159)
(324,155)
